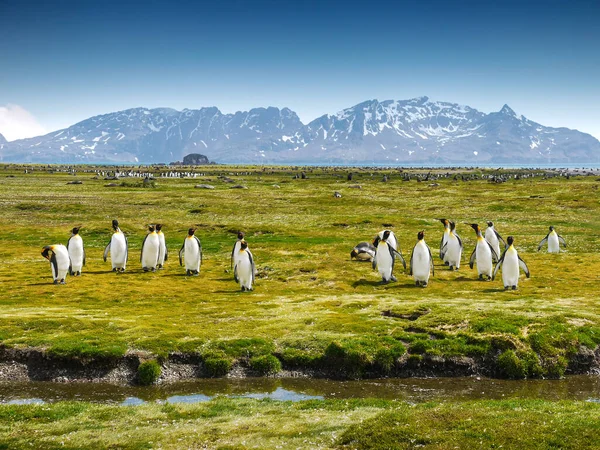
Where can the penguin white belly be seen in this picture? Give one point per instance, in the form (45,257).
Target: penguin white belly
(364,256)
(421,263)
(62,262)
(118,251)
(510,269)
(384,261)
(453,252)
(236,252)
(553,245)
(162,249)
(192,255)
(484,258)
(244,270)
(150,252)
(444,241)
(491,237)
(76,253)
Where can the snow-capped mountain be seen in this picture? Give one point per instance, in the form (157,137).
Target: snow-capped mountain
(2,139)
(409,131)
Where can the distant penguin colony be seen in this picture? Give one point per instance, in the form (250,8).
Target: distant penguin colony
(383,253)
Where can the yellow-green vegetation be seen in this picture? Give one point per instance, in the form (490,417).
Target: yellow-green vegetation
(312,307)
(316,424)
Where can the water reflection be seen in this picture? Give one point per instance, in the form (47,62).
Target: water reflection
(580,387)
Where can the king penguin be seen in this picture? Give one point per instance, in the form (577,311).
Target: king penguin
(76,252)
(191,252)
(163,252)
(150,248)
(483,253)
(364,251)
(554,240)
(494,238)
(236,248)
(511,262)
(391,239)
(452,249)
(58,255)
(421,261)
(244,269)
(446,224)
(385,257)
(118,248)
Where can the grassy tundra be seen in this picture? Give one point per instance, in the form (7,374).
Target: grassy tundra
(312,308)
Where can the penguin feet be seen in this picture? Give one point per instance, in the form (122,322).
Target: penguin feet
(154,269)
(393,278)
(384,281)
(145,269)
(160,266)
(115,269)
(55,282)
(506,288)
(188,272)
(514,288)
(424,284)
(63,281)
(78,274)
(243,288)
(447,264)
(196,273)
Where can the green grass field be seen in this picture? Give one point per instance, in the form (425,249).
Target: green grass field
(312,307)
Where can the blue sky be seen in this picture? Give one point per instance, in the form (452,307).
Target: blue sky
(64,61)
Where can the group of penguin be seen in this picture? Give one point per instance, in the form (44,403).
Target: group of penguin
(71,259)
(384,250)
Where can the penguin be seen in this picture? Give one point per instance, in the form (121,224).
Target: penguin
(554,240)
(244,269)
(150,248)
(163,252)
(385,257)
(421,261)
(191,251)
(76,252)
(118,248)
(483,253)
(511,262)
(58,255)
(363,252)
(452,249)
(494,238)
(446,224)
(236,248)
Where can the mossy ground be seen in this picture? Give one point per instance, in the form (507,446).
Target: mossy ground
(311,305)
(227,423)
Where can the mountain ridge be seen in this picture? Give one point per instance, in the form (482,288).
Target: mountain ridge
(417,130)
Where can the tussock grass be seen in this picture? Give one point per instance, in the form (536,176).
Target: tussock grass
(312,306)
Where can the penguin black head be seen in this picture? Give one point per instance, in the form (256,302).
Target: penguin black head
(46,251)
(191,231)
(244,245)
(490,224)
(75,230)
(420,235)
(452,226)
(509,240)
(115,224)
(386,234)
(240,235)
(444,221)
(353,254)
(551,228)
(158,226)
(475,227)
(151,228)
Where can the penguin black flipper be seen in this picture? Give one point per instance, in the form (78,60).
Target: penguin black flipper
(442,245)
(126,248)
(562,240)
(500,238)
(498,264)
(494,255)
(233,253)
(54,263)
(443,251)
(523,266)
(142,251)
(472,258)
(106,250)
(374,262)
(392,251)
(83,248)
(459,240)
(430,260)
(543,241)
(166,252)
(235,277)
(411,260)
(253,267)
(181,253)
(199,247)
(69,242)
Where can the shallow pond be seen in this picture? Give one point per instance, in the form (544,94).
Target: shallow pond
(580,387)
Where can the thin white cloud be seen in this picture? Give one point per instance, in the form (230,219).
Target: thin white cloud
(18,123)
